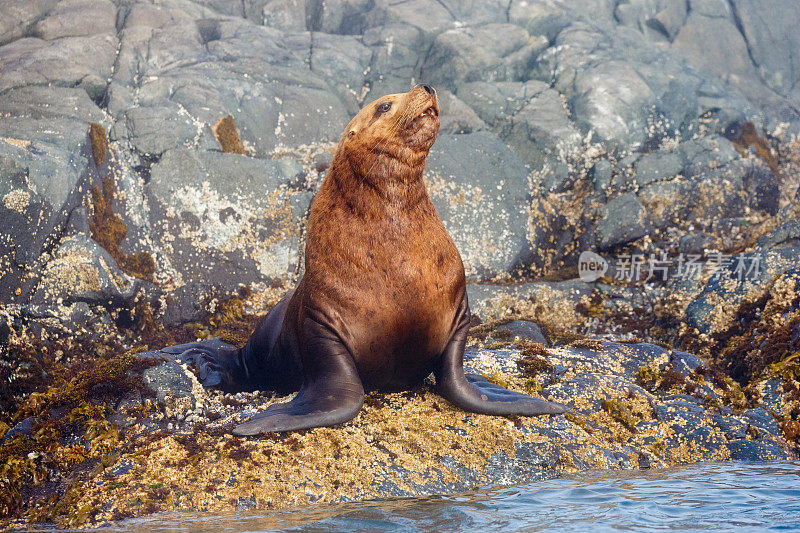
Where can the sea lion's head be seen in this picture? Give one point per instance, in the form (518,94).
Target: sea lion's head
(392,135)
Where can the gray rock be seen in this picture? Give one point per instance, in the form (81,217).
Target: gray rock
(494,52)
(763,421)
(81,271)
(695,243)
(622,220)
(23,427)
(685,363)
(772,22)
(43,169)
(74,18)
(18,17)
(705,154)
(480,191)
(455,116)
(657,166)
(153,130)
(69,61)
(785,235)
(168,379)
(395,50)
(187,303)
(533,120)
(288,15)
(763,187)
(712,40)
(431,18)
(229,220)
(339,60)
(734,427)
(523,329)
(756,450)
(51,103)
(773,397)
(259,75)
(601,175)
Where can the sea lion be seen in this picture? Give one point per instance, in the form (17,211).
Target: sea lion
(382,303)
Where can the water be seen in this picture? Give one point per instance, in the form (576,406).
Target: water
(730,496)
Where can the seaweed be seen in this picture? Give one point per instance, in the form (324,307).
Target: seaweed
(227,136)
(621,413)
(97,138)
(534,359)
(40,473)
(108,230)
(749,138)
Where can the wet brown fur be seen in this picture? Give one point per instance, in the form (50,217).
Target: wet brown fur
(379,262)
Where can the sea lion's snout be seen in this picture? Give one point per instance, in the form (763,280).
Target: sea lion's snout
(428,88)
(432,109)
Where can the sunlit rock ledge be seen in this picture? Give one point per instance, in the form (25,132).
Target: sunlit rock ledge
(632,406)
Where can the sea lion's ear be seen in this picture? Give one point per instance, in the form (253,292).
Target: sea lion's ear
(351,133)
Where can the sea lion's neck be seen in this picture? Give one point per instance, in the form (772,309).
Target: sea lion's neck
(368,189)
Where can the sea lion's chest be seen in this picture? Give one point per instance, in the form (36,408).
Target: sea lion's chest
(394,283)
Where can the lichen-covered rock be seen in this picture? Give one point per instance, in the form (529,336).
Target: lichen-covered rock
(739,277)
(756,450)
(385,450)
(81,271)
(43,166)
(484,213)
(555,301)
(245,228)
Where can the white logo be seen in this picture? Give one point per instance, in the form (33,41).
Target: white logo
(591,266)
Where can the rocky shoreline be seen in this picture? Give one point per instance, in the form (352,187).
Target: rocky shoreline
(157,161)
(125,447)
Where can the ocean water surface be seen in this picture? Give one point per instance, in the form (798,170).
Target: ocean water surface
(705,496)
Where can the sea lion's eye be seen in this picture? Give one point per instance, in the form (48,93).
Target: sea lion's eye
(384,107)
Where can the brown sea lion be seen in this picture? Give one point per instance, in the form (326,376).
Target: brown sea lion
(382,303)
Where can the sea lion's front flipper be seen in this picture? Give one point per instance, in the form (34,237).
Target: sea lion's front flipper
(332,392)
(473,393)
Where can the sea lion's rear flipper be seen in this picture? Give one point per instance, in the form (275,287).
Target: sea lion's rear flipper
(223,366)
(216,363)
(472,392)
(332,392)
